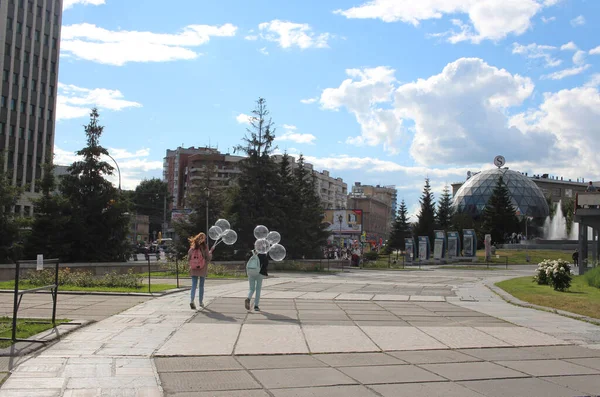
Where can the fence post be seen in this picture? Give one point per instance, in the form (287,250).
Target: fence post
(177,269)
(16,302)
(149,281)
(55,295)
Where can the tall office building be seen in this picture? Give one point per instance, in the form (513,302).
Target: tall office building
(29,48)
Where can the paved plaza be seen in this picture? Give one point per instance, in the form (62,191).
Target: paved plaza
(421,333)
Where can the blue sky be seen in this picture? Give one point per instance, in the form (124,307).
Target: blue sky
(382,92)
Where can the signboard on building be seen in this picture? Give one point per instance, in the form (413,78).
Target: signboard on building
(351,221)
(180,215)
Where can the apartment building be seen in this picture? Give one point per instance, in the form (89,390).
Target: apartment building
(29,48)
(379,206)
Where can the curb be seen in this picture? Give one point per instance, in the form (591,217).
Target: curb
(43,339)
(108,293)
(517,302)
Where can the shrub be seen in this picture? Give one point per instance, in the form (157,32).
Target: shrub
(84,278)
(371,255)
(128,280)
(556,273)
(592,277)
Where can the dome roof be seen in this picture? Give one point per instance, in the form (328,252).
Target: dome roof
(526,196)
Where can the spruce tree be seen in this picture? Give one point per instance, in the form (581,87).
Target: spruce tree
(444,212)
(9,229)
(98,225)
(499,216)
(49,228)
(400,229)
(426,218)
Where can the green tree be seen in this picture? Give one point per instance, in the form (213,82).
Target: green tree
(426,218)
(98,223)
(444,212)
(499,215)
(149,198)
(400,229)
(49,227)
(10,246)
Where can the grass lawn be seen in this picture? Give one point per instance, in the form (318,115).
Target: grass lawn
(25,328)
(518,257)
(467,267)
(10,285)
(580,299)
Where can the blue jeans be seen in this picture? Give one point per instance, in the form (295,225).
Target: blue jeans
(200,288)
(255,285)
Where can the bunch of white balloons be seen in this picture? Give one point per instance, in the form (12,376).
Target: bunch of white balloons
(267,241)
(222,231)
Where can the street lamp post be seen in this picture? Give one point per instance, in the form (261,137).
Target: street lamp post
(207,191)
(118,170)
(340,220)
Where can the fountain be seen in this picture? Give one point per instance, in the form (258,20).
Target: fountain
(556,228)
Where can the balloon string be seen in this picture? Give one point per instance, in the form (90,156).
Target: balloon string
(216,242)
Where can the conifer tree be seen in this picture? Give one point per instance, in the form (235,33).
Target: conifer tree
(400,229)
(444,212)
(98,224)
(426,218)
(9,229)
(499,216)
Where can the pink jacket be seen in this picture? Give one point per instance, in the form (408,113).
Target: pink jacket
(204,271)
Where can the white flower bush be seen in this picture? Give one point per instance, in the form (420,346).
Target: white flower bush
(556,273)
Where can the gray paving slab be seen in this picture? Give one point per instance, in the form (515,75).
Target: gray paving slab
(401,338)
(565,351)
(195,339)
(530,387)
(280,362)
(433,356)
(335,339)
(433,389)
(301,377)
(586,362)
(390,374)
(228,393)
(472,371)
(548,367)
(586,384)
(188,364)
(358,359)
(463,337)
(326,391)
(267,339)
(504,353)
(207,381)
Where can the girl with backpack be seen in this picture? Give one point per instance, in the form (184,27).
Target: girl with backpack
(198,257)
(256,268)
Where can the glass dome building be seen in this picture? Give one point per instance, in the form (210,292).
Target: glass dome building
(526,196)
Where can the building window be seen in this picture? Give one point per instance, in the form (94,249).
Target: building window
(13,104)
(40,133)
(19,27)
(5,75)
(11,159)
(43,88)
(15,78)
(53,67)
(33,85)
(30,6)
(9,22)
(39,11)
(23,107)
(46,39)
(3,101)
(2,127)
(31,109)
(30,135)
(37,36)
(49,115)
(55,19)
(21,133)
(51,93)
(21,3)
(24,81)
(7,49)
(27,210)
(28,30)
(27,54)
(11,131)
(53,43)
(48,15)
(36,60)
(41,114)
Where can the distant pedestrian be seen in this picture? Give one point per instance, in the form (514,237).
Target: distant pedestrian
(198,258)
(591,188)
(575,257)
(256,268)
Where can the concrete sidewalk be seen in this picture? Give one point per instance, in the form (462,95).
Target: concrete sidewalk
(349,335)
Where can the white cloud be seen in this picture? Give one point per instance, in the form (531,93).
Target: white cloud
(264,51)
(291,135)
(561,74)
(570,46)
(92,43)
(594,81)
(488,20)
(537,51)
(74,102)
(309,100)
(579,21)
(595,51)
(70,3)
(134,166)
(243,118)
(289,34)
(548,20)
(579,57)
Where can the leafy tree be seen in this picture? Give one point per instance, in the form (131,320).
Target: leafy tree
(149,199)
(426,218)
(9,227)
(444,211)
(98,223)
(400,229)
(48,230)
(499,216)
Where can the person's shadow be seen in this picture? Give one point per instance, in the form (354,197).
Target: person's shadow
(206,312)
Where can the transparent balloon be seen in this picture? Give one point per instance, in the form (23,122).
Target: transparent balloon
(223,224)
(273,237)
(277,252)
(229,237)
(261,232)
(215,232)
(262,246)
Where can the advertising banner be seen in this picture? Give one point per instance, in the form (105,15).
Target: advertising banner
(344,221)
(180,215)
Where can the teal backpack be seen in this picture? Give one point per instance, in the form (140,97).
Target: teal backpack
(253,265)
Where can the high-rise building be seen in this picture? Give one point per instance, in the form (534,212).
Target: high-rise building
(29,48)
(379,205)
